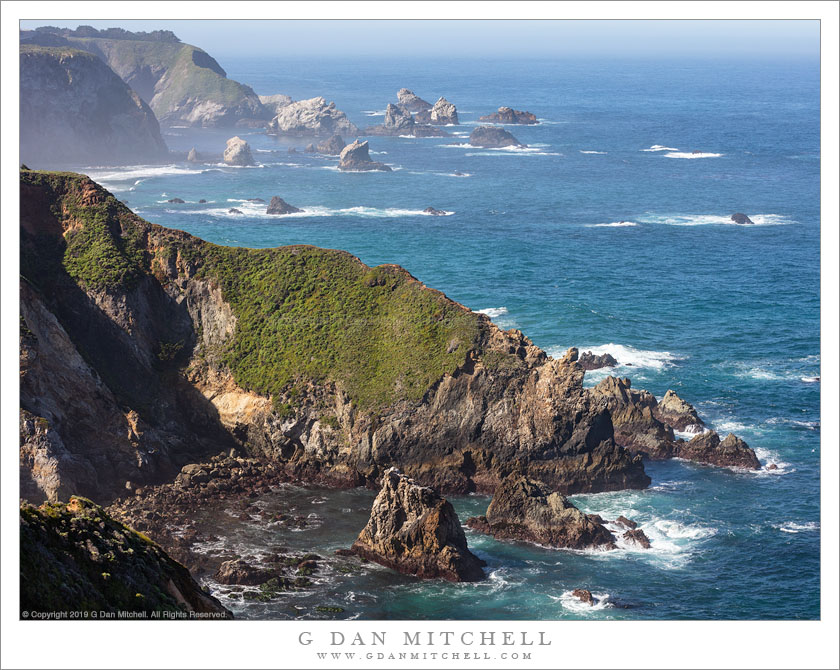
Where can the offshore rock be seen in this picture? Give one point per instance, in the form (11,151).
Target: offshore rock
(523,510)
(238,571)
(192,156)
(637,536)
(589,361)
(332,146)
(678,414)
(708,448)
(493,137)
(75,557)
(431,211)
(273,103)
(584,596)
(355,157)
(443,113)
(280,206)
(237,152)
(741,219)
(398,121)
(411,102)
(415,531)
(312,117)
(508,115)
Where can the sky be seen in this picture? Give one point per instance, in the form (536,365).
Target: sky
(499,38)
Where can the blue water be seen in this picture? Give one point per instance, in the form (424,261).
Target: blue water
(726,315)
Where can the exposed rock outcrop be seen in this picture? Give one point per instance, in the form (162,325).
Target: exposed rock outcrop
(273,103)
(355,157)
(431,211)
(192,156)
(741,219)
(168,323)
(584,596)
(637,536)
(677,413)
(280,206)
(589,361)
(709,448)
(411,102)
(75,557)
(332,146)
(312,117)
(442,113)
(398,121)
(508,115)
(493,137)
(237,571)
(74,109)
(415,531)
(237,152)
(523,510)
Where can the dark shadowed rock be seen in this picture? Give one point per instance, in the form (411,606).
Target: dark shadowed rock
(355,157)
(772,466)
(411,102)
(493,137)
(202,201)
(739,218)
(233,210)
(434,212)
(584,596)
(443,113)
(399,119)
(708,448)
(624,521)
(678,414)
(589,361)
(332,146)
(279,206)
(176,201)
(508,115)
(237,152)
(637,536)
(254,200)
(415,531)
(310,149)
(238,571)
(521,509)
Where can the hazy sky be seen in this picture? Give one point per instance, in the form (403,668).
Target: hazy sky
(502,38)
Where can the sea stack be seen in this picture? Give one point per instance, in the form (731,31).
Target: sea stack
(278,206)
(443,113)
(493,137)
(410,102)
(415,531)
(355,157)
(238,152)
(509,115)
(522,509)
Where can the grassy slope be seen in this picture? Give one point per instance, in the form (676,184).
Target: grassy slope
(304,313)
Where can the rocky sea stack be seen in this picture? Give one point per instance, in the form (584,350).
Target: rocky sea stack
(411,102)
(521,509)
(741,219)
(332,146)
(509,115)
(279,206)
(355,157)
(415,531)
(589,361)
(442,113)
(75,557)
(493,137)
(313,117)
(237,152)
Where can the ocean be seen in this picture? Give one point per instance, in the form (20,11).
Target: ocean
(608,233)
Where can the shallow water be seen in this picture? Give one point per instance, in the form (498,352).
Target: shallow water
(541,240)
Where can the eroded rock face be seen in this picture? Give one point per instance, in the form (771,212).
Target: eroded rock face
(355,157)
(508,115)
(523,510)
(273,103)
(237,571)
(442,113)
(415,531)
(398,121)
(411,102)
(237,152)
(332,146)
(709,448)
(279,206)
(313,117)
(677,413)
(192,156)
(493,137)
(589,361)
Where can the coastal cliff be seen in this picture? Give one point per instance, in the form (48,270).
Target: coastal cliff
(73,108)
(143,349)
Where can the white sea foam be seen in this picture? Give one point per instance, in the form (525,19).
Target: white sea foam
(627,356)
(793,527)
(136,174)
(372,112)
(687,154)
(659,147)
(573,604)
(810,380)
(768,456)
(257,209)
(593,152)
(616,224)
(493,312)
(715,219)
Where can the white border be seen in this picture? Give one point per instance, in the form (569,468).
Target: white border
(575,644)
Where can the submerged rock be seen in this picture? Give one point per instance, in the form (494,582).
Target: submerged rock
(493,137)
(332,146)
(280,206)
(313,117)
(678,414)
(355,157)
(589,361)
(434,212)
(508,115)
(176,201)
(522,509)
(584,596)
(237,152)
(741,219)
(709,448)
(233,210)
(415,531)
(411,102)
(443,113)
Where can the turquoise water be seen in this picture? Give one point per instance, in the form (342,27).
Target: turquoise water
(726,315)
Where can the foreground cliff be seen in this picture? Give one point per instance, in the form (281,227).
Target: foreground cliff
(74,109)
(75,558)
(144,348)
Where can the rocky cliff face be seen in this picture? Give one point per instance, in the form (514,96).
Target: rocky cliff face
(73,108)
(75,557)
(145,348)
(415,531)
(183,84)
